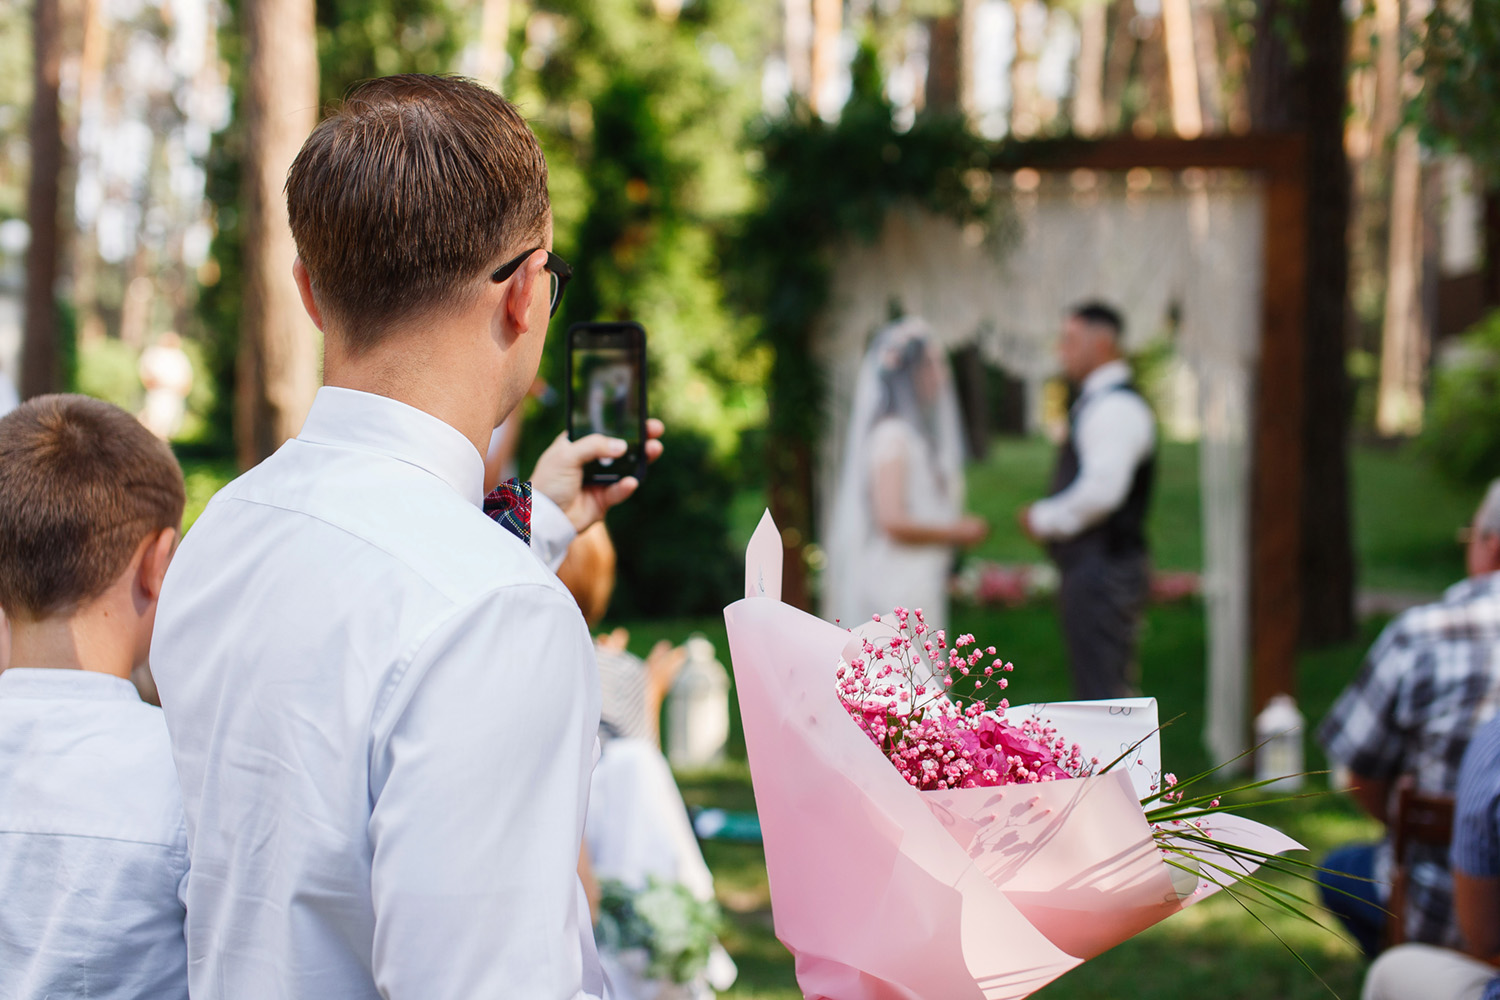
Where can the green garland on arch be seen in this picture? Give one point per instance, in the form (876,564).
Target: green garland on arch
(822,185)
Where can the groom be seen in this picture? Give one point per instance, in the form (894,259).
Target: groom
(383,705)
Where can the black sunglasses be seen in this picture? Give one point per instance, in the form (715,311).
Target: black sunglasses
(555,266)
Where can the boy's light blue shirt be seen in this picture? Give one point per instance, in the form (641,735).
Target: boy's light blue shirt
(93,850)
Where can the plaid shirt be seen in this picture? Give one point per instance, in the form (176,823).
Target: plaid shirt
(1430,681)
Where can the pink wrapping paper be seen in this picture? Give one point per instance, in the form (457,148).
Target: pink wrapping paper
(882,891)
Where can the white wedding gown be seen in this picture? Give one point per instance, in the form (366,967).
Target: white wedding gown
(892,573)
(904,409)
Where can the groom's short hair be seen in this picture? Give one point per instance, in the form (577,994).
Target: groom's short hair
(1101,315)
(82,483)
(411,188)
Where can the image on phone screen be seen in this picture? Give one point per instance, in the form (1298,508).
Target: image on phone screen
(606,397)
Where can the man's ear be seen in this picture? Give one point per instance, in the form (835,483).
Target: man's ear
(304,288)
(154,561)
(1491,551)
(524,284)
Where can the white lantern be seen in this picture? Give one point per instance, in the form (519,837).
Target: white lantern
(1278,734)
(698,709)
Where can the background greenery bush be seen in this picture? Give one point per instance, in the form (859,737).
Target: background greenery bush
(673,538)
(1462,436)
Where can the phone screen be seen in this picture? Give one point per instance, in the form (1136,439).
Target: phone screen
(605,394)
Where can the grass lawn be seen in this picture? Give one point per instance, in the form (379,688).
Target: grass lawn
(1405,517)
(1404,524)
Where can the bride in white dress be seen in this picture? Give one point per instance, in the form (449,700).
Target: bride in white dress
(898,511)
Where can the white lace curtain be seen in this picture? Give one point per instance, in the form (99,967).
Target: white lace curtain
(1150,243)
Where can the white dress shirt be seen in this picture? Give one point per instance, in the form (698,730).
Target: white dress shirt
(1114,432)
(384,709)
(93,854)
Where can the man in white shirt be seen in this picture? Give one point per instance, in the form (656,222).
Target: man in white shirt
(383,704)
(1094,521)
(93,850)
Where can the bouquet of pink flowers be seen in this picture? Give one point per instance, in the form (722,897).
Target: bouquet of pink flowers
(921,844)
(904,706)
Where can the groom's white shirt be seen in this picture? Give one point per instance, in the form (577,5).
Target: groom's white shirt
(383,710)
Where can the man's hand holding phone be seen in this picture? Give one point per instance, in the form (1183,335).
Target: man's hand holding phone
(559,473)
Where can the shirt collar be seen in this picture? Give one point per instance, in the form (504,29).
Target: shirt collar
(75,685)
(1106,376)
(364,421)
(1474,586)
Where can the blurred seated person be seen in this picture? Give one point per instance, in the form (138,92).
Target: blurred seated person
(631,689)
(637,828)
(1420,971)
(1428,684)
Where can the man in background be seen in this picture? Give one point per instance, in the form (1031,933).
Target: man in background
(1094,520)
(1428,684)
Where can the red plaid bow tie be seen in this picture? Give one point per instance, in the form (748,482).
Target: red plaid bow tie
(510,506)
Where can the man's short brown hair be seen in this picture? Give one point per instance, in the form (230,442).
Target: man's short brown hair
(411,188)
(82,483)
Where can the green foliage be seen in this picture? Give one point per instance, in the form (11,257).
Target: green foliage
(15,105)
(107,370)
(1462,436)
(220,299)
(360,39)
(1458,107)
(357,39)
(825,184)
(673,536)
(641,116)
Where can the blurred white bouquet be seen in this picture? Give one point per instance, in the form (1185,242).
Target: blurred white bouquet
(674,930)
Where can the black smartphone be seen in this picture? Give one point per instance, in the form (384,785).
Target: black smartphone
(607,394)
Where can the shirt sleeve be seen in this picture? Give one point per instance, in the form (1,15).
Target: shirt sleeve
(479,790)
(1476,812)
(1364,730)
(1115,434)
(551,531)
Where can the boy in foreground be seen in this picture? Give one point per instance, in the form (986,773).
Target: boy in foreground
(93,853)
(383,704)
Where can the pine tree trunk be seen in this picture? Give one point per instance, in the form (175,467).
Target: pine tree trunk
(277,370)
(40,372)
(1210,77)
(1088,96)
(1023,117)
(828,27)
(944,84)
(1403,339)
(494,32)
(968,68)
(1309,95)
(797,44)
(1182,68)
(1118,61)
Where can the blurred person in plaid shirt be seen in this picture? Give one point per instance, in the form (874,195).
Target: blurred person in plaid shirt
(1428,684)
